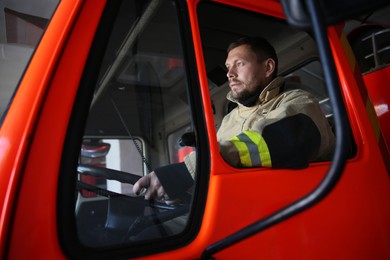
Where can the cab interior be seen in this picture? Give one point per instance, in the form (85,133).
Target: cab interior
(143,103)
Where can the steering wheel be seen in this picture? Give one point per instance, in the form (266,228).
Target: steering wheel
(126,215)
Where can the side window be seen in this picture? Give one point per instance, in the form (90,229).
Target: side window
(22,24)
(241,132)
(139,110)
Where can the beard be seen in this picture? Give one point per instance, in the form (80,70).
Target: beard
(242,96)
(245,93)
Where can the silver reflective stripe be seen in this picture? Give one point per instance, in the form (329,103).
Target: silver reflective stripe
(252,148)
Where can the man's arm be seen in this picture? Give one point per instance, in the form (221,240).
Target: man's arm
(290,136)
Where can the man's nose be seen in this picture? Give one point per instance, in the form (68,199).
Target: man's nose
(231,73)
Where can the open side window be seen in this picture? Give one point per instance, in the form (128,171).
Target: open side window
(296,49)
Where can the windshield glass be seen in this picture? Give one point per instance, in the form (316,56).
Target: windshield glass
(139,110)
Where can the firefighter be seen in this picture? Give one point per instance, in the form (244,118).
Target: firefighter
(270,126)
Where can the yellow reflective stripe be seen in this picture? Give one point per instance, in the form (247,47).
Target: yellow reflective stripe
(252,149)
(262,146)
(243,152)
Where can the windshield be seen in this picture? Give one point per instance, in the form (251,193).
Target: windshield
(138,113)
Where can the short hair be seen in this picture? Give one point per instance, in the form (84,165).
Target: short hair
(260,46)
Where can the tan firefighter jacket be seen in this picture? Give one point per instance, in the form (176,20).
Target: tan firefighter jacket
(281,129)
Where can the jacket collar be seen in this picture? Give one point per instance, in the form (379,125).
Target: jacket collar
(269,92)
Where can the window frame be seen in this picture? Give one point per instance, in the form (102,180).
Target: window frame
(65,203)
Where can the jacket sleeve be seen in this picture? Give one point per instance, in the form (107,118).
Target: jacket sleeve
(175,178)
(178,178)
(289,136)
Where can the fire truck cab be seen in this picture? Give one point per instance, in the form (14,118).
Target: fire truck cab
(95,94)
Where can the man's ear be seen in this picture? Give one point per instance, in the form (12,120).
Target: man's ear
(269,67)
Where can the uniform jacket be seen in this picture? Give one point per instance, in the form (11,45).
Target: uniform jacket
(282,129)
(290,121)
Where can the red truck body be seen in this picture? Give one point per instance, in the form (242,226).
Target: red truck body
(37,218)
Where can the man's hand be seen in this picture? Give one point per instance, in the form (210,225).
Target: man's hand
(154,189)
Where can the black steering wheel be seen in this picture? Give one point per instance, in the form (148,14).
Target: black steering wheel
(121,217)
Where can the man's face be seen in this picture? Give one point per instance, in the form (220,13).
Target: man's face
(247,76)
